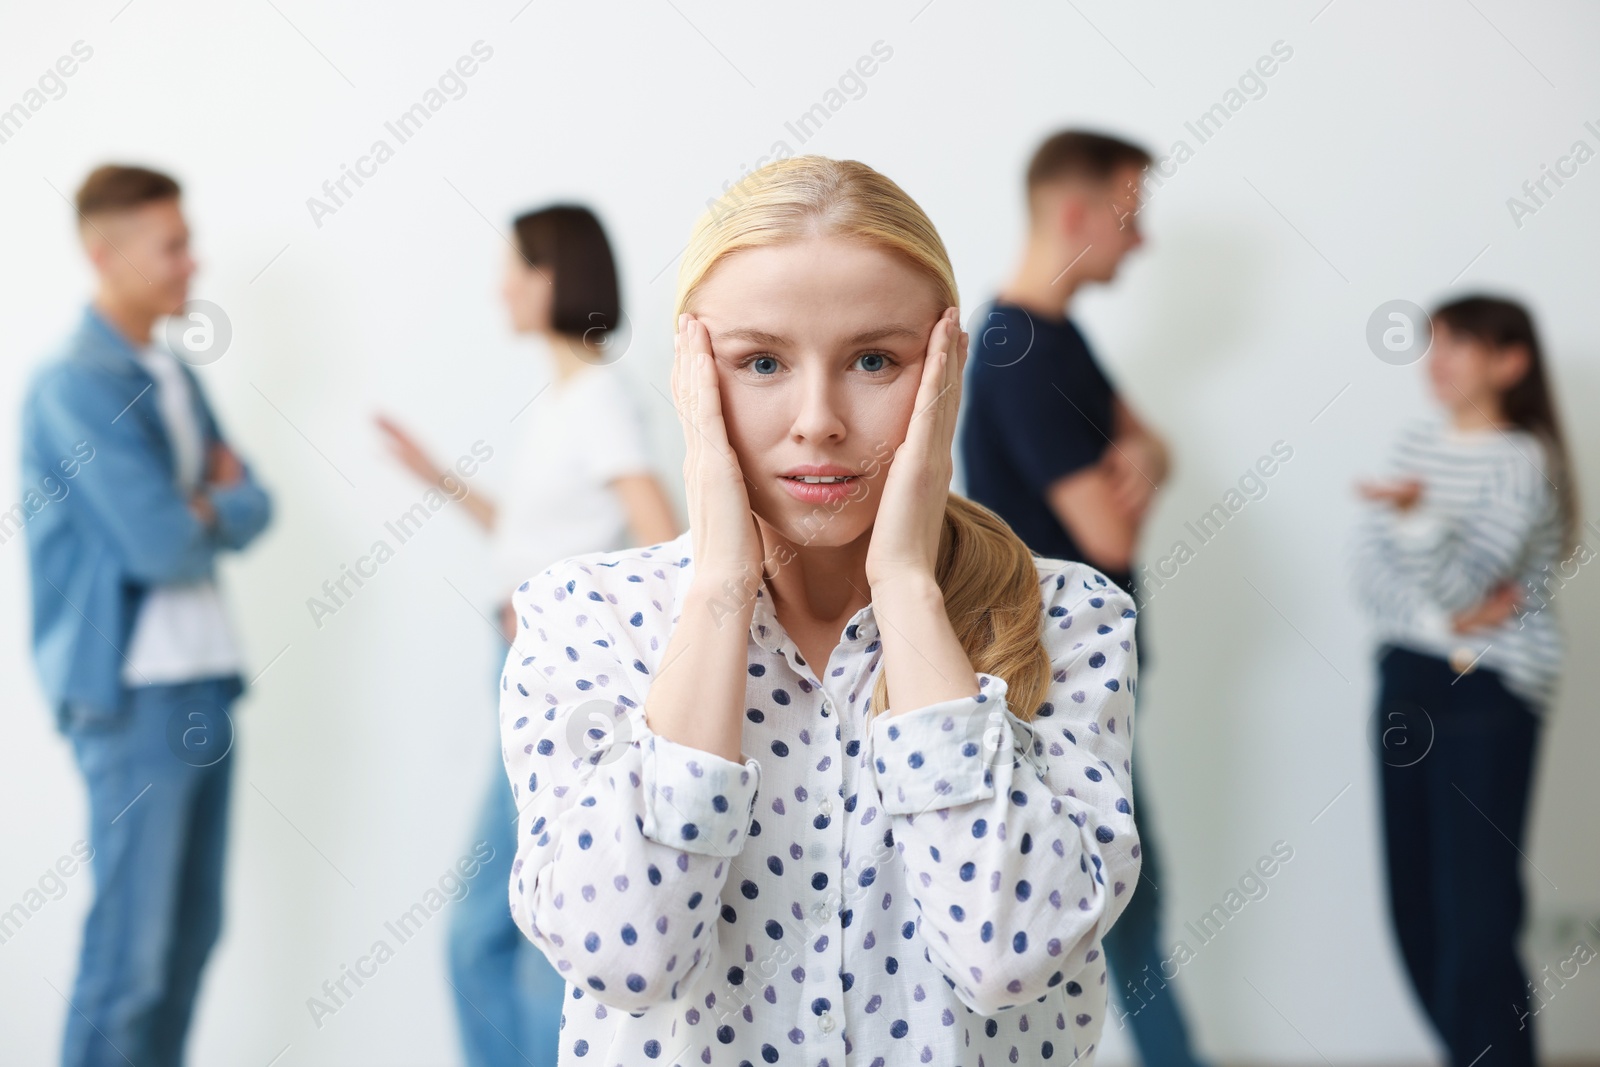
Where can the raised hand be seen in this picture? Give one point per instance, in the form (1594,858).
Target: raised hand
(1403,494)
(905,535)
(223,466)
(1124,464)
(408,452)
(727,542)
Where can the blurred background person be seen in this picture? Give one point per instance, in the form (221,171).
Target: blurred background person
(1452,561)
(131,634)
(1049,444)
(581,481)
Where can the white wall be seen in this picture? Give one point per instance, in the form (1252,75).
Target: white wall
(1376,165)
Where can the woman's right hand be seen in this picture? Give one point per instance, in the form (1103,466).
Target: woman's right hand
(1402,493)
(408,452)
(727,542)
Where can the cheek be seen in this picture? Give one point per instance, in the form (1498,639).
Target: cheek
(755,418)
(882,418)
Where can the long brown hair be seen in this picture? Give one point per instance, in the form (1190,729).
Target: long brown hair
(987,574)
(1530,403)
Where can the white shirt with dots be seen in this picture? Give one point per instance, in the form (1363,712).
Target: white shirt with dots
(927,887)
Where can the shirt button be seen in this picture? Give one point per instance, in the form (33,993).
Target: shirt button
(824,910)
(827,1022)
(826,807)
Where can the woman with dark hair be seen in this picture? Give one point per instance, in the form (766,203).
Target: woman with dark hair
(582,482)
(1451,563)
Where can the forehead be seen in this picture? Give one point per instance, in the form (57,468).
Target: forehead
(820,288)
(161,218)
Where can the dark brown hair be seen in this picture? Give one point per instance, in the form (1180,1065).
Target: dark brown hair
(570,241)
(1529,404)
(119,187)
(1082,154)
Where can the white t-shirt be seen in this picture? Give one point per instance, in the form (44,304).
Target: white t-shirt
(182,632)
(577,436)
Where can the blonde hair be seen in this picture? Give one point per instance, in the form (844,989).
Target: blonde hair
(988,576)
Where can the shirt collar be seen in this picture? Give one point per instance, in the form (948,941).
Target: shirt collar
(107,347)
(767,632)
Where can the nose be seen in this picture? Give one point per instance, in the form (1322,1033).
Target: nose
(817,418)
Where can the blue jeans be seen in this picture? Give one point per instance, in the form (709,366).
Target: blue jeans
(158,774)
(1133,947)
(1134,954)
(508,996)
(1455,805)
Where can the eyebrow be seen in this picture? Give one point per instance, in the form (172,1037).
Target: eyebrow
(877,333)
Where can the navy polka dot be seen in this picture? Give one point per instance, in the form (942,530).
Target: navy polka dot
(960,855)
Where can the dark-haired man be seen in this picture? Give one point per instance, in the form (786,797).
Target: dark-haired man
(1050,446)
(131,637)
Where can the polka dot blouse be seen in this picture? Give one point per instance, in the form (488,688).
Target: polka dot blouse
(930,887)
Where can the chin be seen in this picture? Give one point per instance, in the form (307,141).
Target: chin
(820,528)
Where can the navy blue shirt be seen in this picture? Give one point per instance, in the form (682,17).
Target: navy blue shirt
(1036,406)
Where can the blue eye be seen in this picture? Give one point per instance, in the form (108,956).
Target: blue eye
(762,359)
(878,356)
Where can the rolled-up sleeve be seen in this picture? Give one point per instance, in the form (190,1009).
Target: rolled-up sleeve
(1017,837)
(625,838)
(696,800)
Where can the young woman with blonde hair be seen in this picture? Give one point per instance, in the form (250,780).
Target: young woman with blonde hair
(841,775)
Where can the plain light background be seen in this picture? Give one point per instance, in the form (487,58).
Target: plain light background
(1376,165)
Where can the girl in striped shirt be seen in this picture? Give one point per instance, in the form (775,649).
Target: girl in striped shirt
(1452,557)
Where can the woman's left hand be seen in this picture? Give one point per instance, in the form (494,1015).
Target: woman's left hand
(905,535)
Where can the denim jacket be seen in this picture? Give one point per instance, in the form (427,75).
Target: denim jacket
(104,516)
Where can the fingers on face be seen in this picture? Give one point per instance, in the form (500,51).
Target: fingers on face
(685,382)
(950,370)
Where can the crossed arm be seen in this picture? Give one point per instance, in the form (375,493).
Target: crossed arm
(162,534)
(1103,505)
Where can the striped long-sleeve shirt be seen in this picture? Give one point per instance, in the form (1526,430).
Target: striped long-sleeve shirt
(1487,513)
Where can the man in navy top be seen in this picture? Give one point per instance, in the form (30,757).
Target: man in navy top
(1038,444)
(1047,442)
(1049,445)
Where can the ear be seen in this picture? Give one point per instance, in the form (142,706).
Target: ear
(1511,365)
(1070,214)
(96,248)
